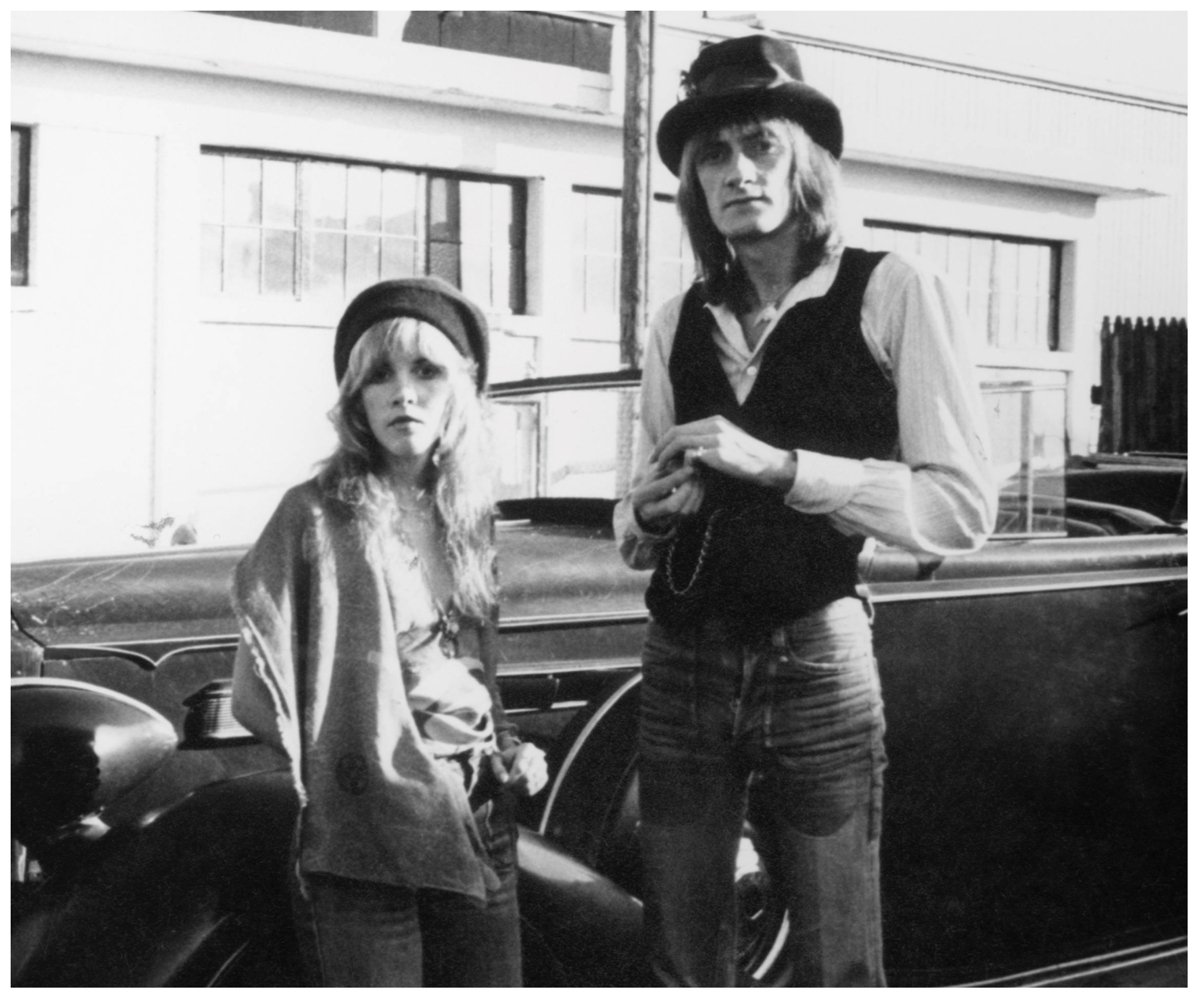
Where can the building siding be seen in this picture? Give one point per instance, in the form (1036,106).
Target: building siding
(122,104)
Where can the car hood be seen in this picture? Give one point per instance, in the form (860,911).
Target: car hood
(175,594)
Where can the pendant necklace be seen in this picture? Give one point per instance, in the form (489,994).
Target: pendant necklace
(421,511)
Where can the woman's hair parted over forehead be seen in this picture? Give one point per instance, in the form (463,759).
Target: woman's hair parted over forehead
(390,338)
(816,194)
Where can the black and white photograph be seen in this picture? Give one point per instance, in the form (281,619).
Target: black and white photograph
(598,498)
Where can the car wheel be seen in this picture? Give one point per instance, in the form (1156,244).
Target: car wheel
(592,811)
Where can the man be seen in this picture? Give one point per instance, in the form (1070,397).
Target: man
(801,397)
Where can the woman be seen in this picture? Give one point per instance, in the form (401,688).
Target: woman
(366,608)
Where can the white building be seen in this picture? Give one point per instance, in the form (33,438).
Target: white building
(195,197)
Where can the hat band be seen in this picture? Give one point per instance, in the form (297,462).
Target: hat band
(734,79)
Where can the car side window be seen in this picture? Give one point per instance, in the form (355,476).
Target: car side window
(578,442)
(1045,491)
(566,443)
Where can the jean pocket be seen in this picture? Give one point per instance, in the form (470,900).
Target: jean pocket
(849,664)
(821,648)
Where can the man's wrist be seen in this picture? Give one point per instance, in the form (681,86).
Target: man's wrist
(827,484)
(783,476)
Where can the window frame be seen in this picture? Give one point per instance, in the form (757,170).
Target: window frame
(603,326)
(1057,248)
(308,309)
(21,189)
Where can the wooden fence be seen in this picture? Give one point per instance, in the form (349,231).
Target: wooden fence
(1143,388)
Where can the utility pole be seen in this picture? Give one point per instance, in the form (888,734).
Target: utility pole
(635,225)
(635,191)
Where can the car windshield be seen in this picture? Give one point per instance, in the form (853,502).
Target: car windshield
(580,442)
(575,437)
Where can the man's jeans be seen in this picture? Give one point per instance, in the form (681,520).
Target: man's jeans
(354,933)
(785,730)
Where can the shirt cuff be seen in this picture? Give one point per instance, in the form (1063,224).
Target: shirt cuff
(824,483)
(627,524)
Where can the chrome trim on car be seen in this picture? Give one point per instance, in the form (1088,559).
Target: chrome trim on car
(925,590)
(546,623)
(580,741)
(129,650)
(626,378)
(88,652)
(1086,968)
(218,646)
(541,668)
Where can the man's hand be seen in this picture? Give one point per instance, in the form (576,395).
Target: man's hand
(674,490)
(723,446)
(521,768)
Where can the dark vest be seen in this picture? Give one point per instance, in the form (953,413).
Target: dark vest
(818,389)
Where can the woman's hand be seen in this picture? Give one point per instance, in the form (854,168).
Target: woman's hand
(521,769)
(724,446)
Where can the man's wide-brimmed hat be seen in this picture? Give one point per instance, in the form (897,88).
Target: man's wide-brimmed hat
(752,76)
(431,300)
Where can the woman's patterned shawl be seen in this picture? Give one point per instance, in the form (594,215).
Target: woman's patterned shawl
(319,675)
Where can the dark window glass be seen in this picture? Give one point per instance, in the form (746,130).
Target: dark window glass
(19,212)
(519,34)
(349,22)
(302,228)
(1009,287)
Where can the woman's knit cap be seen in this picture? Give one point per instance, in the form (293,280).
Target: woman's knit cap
(431,300)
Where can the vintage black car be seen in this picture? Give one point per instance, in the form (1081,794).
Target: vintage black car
(1035,811)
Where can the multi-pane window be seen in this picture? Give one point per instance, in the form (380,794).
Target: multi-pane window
(19,212)
(597,215)
(306,229)
(672,266)
(1009,287)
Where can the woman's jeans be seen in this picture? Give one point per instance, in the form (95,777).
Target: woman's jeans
(784,730)
(354,933)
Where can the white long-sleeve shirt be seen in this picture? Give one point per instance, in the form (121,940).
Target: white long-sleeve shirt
(939,496)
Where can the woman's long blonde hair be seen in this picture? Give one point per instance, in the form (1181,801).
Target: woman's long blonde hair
(461,472)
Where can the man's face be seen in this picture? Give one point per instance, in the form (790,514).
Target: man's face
(745,172)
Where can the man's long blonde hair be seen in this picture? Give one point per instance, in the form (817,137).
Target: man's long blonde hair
(460,476)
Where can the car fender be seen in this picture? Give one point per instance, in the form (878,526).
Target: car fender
(198,896)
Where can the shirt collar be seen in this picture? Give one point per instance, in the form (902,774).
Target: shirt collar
(811,286)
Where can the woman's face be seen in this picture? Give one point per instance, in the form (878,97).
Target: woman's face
(406,396)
